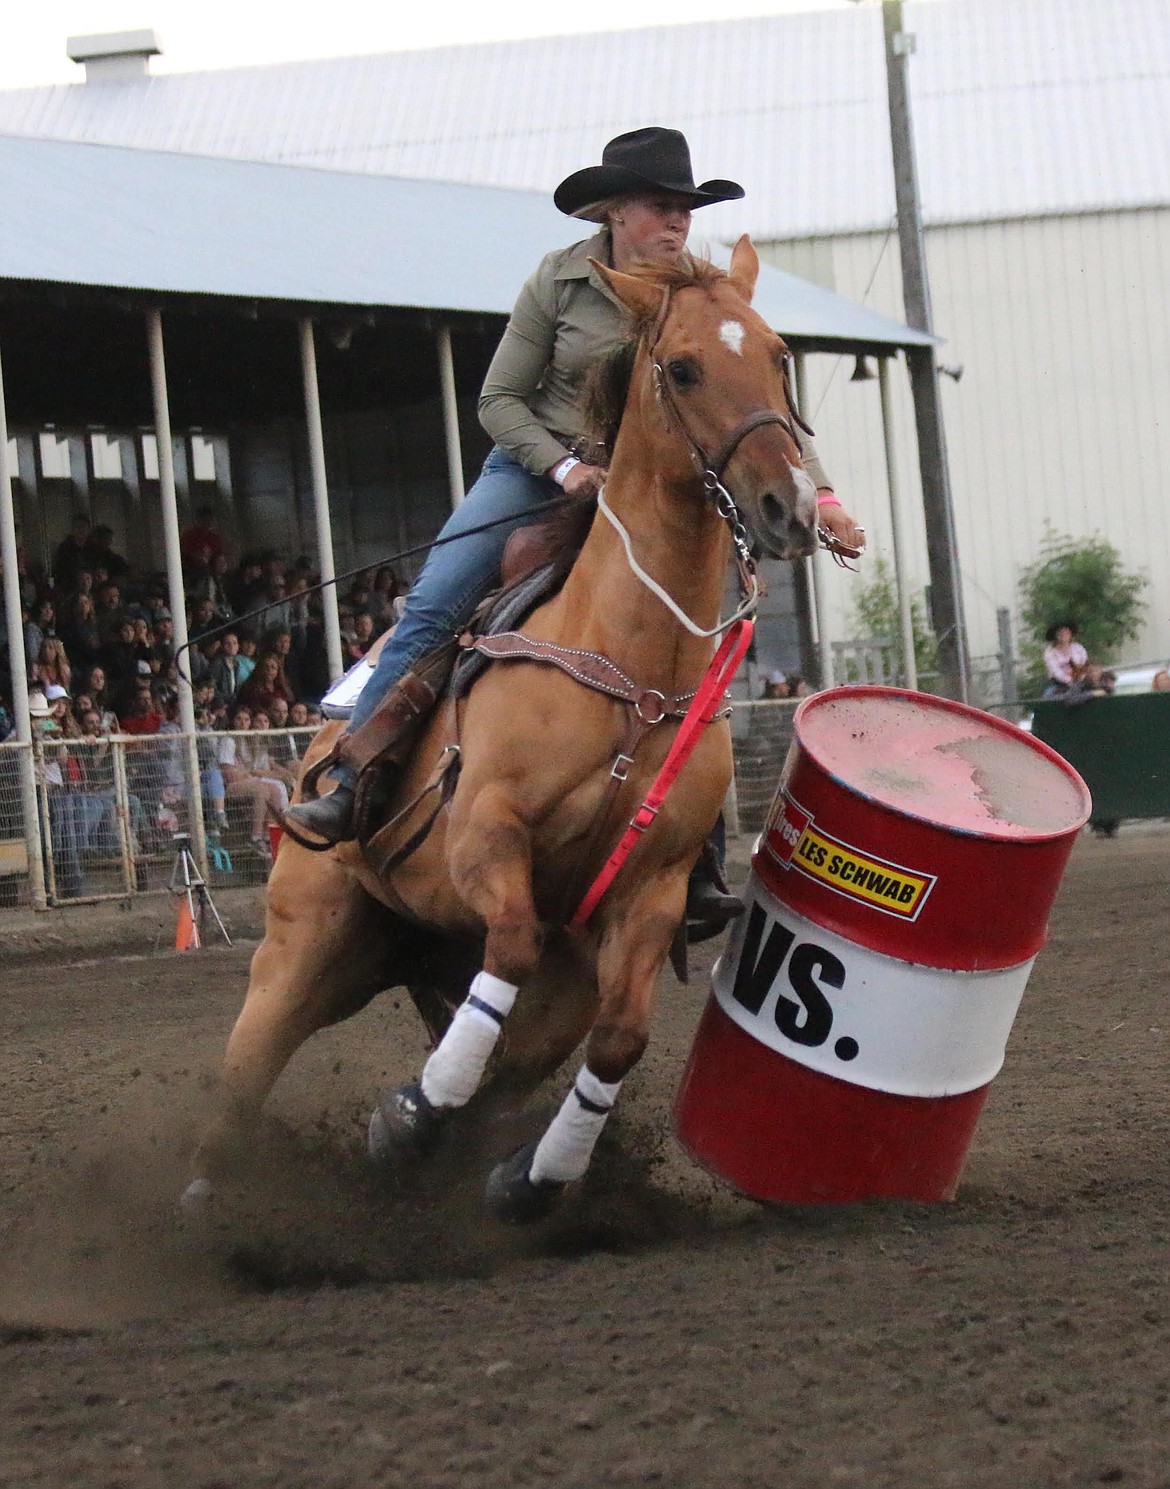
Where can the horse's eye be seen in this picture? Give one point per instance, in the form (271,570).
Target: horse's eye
(683,372)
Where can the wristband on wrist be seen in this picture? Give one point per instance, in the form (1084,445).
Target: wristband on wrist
(562,470)
(829,499)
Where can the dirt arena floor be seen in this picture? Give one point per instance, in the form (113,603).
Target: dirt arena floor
(329,1330)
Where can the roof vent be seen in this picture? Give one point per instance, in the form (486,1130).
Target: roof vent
(116,58)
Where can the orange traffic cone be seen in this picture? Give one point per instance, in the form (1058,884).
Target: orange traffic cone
(187,930)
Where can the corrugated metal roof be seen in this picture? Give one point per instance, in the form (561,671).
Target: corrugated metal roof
(187,224)
(1022,107)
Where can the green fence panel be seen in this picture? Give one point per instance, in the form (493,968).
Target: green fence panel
(1120,745)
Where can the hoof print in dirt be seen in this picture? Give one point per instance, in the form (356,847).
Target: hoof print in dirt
(513,1197)
(404,1124)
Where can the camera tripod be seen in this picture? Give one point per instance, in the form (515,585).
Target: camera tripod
(187,882)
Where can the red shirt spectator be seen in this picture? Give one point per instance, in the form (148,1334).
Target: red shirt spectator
(200,542)
(142,715)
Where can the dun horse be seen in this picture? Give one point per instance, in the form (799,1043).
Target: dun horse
(541,757)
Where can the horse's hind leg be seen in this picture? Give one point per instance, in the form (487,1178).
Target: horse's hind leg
(491,867)
(633,952)
(323,956)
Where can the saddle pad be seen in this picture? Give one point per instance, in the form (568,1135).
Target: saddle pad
(338,702)
(504,612)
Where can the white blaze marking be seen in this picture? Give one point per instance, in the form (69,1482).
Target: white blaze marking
(731,334)
(806,494)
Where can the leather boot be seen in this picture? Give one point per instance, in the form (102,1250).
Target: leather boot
(710,903)
(386,737)
(330,818)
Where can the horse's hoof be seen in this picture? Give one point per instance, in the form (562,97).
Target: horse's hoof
(404,1124)
(196,1199)
(511,1194)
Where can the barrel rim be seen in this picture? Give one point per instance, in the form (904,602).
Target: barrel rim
(966,710)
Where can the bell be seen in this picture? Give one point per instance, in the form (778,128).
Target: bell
(862,371)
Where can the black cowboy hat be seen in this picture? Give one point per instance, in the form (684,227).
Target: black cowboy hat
(651,159)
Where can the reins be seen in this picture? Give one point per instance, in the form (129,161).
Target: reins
(470,532)
(749,582)
(710,469)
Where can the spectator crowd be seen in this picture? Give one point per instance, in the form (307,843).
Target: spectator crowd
(99,644)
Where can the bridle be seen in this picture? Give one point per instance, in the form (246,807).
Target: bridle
(710,469)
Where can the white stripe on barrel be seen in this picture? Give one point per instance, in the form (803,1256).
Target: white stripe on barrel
(849,1012)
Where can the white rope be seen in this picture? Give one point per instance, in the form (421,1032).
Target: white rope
(656,589)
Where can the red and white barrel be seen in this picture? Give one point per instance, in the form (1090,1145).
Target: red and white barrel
(898,897)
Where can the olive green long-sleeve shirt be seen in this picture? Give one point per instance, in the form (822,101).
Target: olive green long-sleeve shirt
(565,320)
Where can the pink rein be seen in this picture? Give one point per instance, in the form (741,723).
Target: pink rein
(716,680)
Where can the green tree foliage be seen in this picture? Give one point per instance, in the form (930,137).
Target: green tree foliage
(1082,581)
(875,612)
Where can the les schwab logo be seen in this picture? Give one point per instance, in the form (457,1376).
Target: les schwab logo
(792,839)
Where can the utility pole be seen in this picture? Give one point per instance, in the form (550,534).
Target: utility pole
(946,591)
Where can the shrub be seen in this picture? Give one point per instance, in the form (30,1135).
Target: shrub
(875,611)
(1081,581)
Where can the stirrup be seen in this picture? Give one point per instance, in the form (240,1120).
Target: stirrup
(328,834)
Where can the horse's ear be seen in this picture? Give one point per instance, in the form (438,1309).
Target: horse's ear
(642,298)
(745,268)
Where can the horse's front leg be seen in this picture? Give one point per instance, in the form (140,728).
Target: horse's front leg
(324,955)
(633,951)
(490,862)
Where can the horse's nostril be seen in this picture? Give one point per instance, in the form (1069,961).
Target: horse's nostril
(776,513)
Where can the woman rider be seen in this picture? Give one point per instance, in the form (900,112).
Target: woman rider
(642,196)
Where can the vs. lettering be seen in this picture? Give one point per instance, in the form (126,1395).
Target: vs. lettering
(808,1018)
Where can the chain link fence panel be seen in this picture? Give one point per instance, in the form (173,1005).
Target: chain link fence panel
(109,809)
(17,841)
(761,732)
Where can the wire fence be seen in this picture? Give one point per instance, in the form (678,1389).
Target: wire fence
(15,794)
(107,809)
(761,733)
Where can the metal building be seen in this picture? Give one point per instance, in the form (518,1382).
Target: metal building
(1041,132)
(284,291)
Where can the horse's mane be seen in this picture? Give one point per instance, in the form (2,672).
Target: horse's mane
(607,386)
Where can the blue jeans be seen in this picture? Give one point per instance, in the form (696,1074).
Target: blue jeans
(457,576)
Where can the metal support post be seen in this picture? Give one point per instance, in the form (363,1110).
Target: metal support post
(122,815)
(942,547)
(316,436)
(1007,656)
(27,765)
(905,614)
(450,415)
(818,563)
(170,522)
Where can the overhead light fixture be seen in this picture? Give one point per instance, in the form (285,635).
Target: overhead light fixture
(862,371)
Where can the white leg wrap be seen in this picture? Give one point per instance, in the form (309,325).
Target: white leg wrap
(563,1153)
(455,1069)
